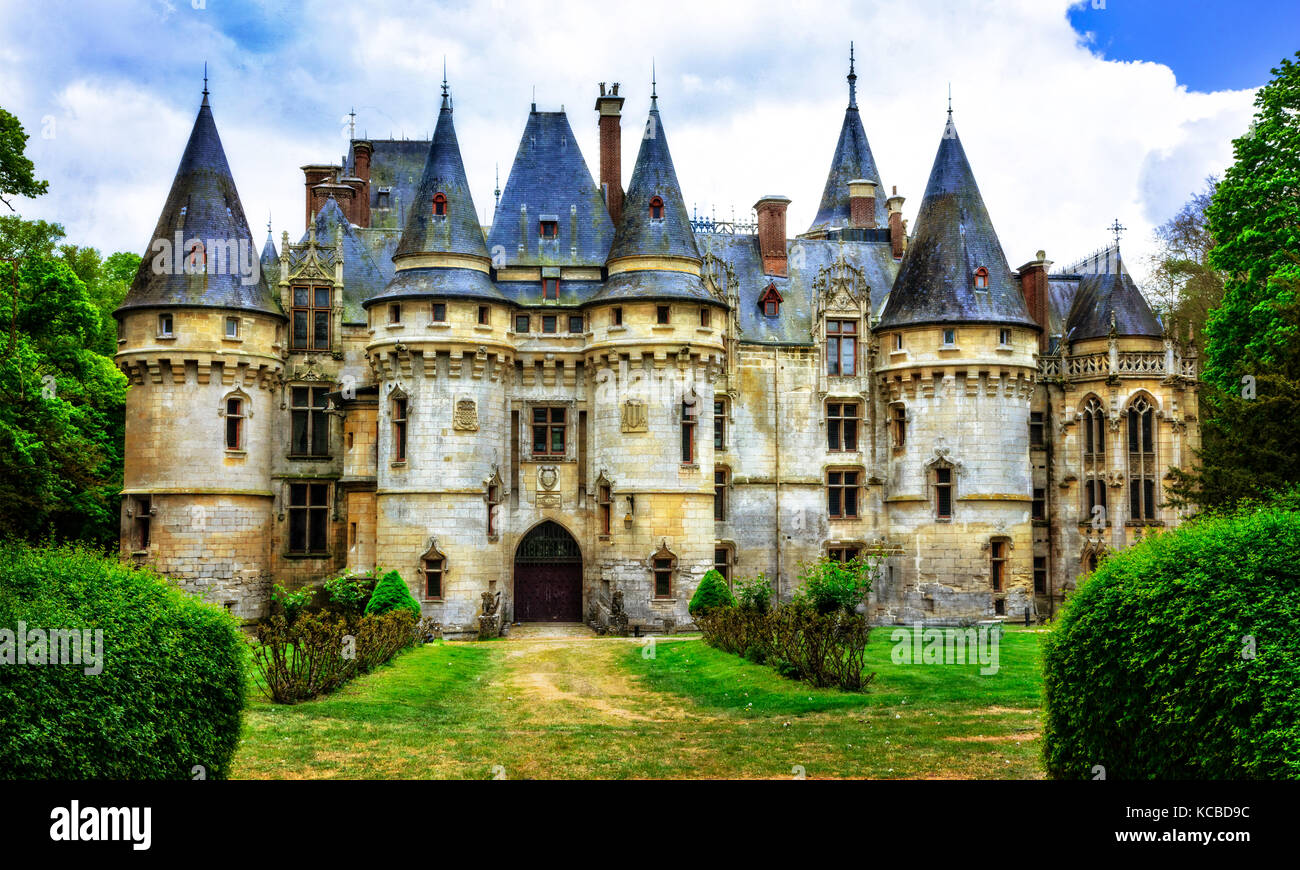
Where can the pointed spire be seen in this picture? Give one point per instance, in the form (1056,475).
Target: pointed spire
(446,98)
(954,240)
(853,160)
(205,83)
(654,87)
(853,81)
(270,258)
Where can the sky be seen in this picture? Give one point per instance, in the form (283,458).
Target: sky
(1072,114)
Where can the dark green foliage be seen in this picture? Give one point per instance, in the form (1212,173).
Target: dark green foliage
(830,586)
(17,172)
(754,593)
(392,592)
(348,594)
(712,592)
(173,684)
(291,603)
(1149,674)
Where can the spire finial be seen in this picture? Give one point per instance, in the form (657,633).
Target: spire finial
(205,83)
(654,86)
(352,123)
(1117,229)
(446,101)
(853,80)
(268,226)
(949,101)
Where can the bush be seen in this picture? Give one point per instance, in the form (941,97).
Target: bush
(171,692)
(291,603)
(829,585)
(392,592)
(1149,671)
(348,594)
(754,594)
(712,592)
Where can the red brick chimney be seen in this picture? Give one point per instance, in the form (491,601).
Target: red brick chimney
(771,234)
(897,233)
(361,152)
(610,107)
(1033,283)
(314,174)
(862,204)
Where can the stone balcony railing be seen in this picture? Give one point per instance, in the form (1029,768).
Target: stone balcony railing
(1128,364)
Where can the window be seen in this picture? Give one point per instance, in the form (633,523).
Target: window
(576,324)
(384,198)
(719,424)
(165,325)
(605,499)
(143,516)
(898,341)
(548,431)
(720,494)
(770,301)
(550,288)
(982,279)
(440,312)
(309,516)
(722,562)
(997,564)
(1039,511)
(1141,460)
(399,429)
(664,562)
(1094,457)
(548,229)
(949,337)
(1036,430)
(493,499)
(232,327)
(704,317)
(1040,575)
(439,205)
(842,494)
(549,323)
(842,426)
(616,317)
(521,324)
(943,493)
(841,347)
(484,315)
(433,570)
(311,318)
(395,313)
(656,209)
(309,425)
(688,432)
(843,554)
(661,315)
(1004,337)
(898,424)
(234,424)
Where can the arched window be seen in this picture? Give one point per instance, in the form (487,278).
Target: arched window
(981,278)
(235,416)
(663,565)
(1094,457)
(439,205)
(1141,460)
(399,411)
(656,209)
(433,565)
(944,486)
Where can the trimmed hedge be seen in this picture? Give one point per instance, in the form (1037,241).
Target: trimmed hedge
(712,592)
(171,692)
(1150,674)
(392,592)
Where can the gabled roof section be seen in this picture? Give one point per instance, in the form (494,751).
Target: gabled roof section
(458,231)
(1105,295)
(203,204)
(954,237)
(852,161)
(654,176)
(550,180)
(362,276)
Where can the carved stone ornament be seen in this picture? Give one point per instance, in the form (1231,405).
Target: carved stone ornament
(635,416)
(465,416)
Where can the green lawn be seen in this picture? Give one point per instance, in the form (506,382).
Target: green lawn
(600,708)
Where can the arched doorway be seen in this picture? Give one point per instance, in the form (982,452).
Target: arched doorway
(548,576)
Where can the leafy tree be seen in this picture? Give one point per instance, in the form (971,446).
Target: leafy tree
(17,172)
(1187,288)
(829,585)
(392,593)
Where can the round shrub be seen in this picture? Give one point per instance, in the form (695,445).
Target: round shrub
(172,686)
(712,592)
(392,592)
(1180,657)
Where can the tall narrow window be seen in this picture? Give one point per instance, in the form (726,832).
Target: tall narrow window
(549,324)
(439,205)
(704,317)
(1094,456)
(1141,460)
(143,515)
(1039,511)
(688,432)
(234,424)
(310,424)
(949,337)
(164,326)
(842,426)
(898,424)
(311,318)
(399,429)
(1004,337)
(719,424)
(770,301)
(616,317)
(1036,429)
(395,313)
(663,564)
(656,209)
(998,565)
(605,499)
(439,312)
(493,499)
(433,571)
(1040,575)
(842,494)
(943,493)
(550,288)
(309,516)
(841,347)
(720,494)
(548,432)
(722,560)
(662,315)
(232,327)
(484,315)
(981,278)
(576,324)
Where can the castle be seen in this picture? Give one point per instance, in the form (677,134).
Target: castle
(599,394)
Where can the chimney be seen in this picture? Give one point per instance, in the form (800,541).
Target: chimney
(862,204)
(610,107)
(771,234)
(897,233)
(314,174)
(1033,283)
(361,153)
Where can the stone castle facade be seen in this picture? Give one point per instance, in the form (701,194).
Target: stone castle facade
(598,394)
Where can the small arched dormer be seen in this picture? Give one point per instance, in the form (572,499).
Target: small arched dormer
(656,208)
(439,204)
(981,278)
(769,302)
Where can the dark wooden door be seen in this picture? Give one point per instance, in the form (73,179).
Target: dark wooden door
(548,593)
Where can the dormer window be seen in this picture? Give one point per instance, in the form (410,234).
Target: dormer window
(439,205)
(770,301)
(548,229)
(551,288)
(656,209)
(981,278)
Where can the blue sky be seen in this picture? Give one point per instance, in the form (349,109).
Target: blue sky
(1071,116)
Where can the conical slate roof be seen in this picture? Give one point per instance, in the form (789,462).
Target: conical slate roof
(654,175)
(270,260)
(458,232)
(852,161)
(203,204)
(1110,293)
(551,180)
(953,239)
